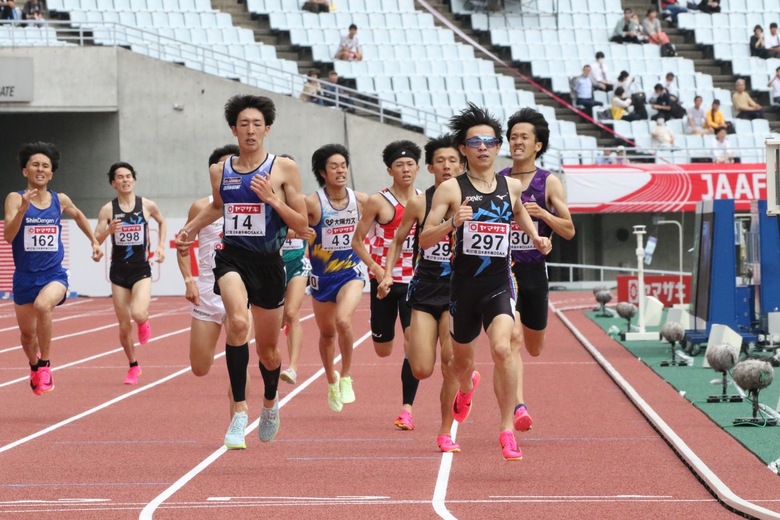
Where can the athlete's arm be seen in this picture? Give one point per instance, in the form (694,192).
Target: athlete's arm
(105,225)
(446,201)
(210,212)
(413,214)
(190,286)
(523,219)
(367,219)
(15,207)
(156,214)
(561,222)
(291,208)
(70,209)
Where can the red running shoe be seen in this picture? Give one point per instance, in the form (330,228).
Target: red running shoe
(461,406)
(447,445)
(45,381)
(404,421)
(132,375)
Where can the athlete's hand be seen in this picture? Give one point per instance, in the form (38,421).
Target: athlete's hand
(263,189)
(377,271)
(160,254)
(27,196)
(183,242)
(543,244)
(191,291)
(534,209)
(383,289)
(114,225)
(309,235)
(464,213)
(97,251)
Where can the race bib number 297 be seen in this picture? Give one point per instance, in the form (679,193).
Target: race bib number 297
(486,238)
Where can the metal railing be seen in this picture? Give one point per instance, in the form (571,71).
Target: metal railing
(584,276)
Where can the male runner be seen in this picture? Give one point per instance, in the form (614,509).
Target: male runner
(296,269)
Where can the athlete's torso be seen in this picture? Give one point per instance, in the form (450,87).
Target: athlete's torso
(382,237)
(331,251)
(130,242)
(523,250)
(432,263)
(38,244)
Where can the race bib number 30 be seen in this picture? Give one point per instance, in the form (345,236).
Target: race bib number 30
(129,235)
(41,238)
(486,238)
(245,220)
(519,240)
(337,238)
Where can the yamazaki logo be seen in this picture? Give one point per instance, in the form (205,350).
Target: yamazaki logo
(45,230)
(132,227)
(484,227)
(340,230)
(243,208)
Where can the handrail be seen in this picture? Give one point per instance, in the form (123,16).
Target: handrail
(601,270)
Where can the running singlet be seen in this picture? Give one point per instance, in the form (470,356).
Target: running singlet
(130,242)
(482,244)
(37,247)
(293,249)
(383,235)
(433,263)
(523,250)
(208,238)
(331,252)
(248,222)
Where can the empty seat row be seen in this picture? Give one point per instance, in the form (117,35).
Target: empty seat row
(419,67)
(130,5)
(154,18)
(285,21)
(309,37)
(397,83)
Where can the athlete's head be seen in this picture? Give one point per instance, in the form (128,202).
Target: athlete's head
(47,149)
(443,158)
(116,166)
(401,150)
(437,144)
(241,102)
(218,153)
(470,117)
(529,119)
(330,157)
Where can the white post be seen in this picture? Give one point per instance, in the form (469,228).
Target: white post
(679,228)
(640,258)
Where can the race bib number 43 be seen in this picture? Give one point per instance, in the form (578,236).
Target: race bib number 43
(129,235)
(245,220)
(486,238)
(337,238)
(41,238)
(519,240)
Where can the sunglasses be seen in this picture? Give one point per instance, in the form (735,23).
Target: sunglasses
(476,142)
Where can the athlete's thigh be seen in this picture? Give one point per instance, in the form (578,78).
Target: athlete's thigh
(267,323)
(349,298)
(296,289)
(325,316)
(141,295)
(233,293)
(423,332)
(26,318)
(51,295)
(500,332)
(203,341)
(121,298)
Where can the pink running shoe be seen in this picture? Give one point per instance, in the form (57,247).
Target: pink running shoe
(523,421)
(404,421)
(509,446)
(461,406)
(34,378)
(144,332)
(45,381)
(446,445)
(132,375)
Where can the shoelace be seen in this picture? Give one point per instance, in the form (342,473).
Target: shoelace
(235,426)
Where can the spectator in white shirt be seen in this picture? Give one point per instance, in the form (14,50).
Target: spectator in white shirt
(774,84)
(721,150)
(349,48)
(662,135)
(772,40)
(696,118)
(670,87)
(600,74)
(582,90)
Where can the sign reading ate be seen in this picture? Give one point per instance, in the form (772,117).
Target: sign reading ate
(16,80)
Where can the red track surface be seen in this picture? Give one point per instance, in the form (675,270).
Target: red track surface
(94,448)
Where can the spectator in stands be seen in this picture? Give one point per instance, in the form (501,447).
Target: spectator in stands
(721,149)
(334,94)
(774,84)
(620,155)
(626,29)
(670,87)
(349,48)
(757,44)
(640,34)
(312,89)
(772,40)
(744,105)
(7,10)
(582,90)
(697,124)
(662,135)
(714,119)
(620,106)
(662,102)
(600,74)
(32,13)
(317,6)
(672,8)
(709,6)
(606,157)
(652,28)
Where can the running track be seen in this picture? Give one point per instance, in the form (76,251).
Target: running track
(94,448)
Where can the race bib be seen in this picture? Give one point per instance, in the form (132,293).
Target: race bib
(129,235)
(441,252)
(41,238)
(486,238)
(519,240)
(408,245)
(245,220)
(292,244)
(337,238)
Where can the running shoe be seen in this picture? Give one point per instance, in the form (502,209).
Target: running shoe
(447,445)
(269,422)
(461,406)
(334,396)
(523,421)
(345,387)
(509,446)
(404,421)
(144,332)
(34,378)
(132,375)
(289,376)
(234,438)
(45,381)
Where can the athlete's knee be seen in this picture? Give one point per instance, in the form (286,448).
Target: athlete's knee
(200,369)
(421,370)
(42,307)
(501,351)
(343,324)
(139,316)
(28,337)
(237,327)
(383,349)
(290,316)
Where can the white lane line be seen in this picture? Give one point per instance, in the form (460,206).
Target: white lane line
(148,511)
(710,479)
(443,479)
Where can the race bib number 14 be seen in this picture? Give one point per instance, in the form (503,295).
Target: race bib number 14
(245,220)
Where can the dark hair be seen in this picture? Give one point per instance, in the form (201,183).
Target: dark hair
(623,75)
(716,101)
(535,119)
(599,55)
(773,25)
(627,10)
(287,156)
(435,144)
(619,91)
(115,167)
(757,27)
(219,153)
(470,117)
(47,149)
(651,10)
(658,86)
(697,97)
(398,149)
(241,102)
(352,26)
(320,158)
(670,74)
